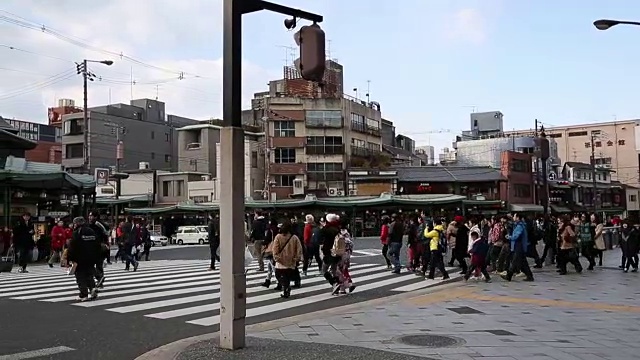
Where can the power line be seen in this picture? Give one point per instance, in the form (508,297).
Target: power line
(28,24)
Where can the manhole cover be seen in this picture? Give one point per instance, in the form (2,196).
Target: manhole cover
(431,341)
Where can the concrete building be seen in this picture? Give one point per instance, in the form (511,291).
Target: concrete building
(617,146)
(147,134)
(199,152)
(427,153)
(488,152)
(47,137)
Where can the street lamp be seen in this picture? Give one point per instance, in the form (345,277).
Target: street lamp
(87,76)
(606,24)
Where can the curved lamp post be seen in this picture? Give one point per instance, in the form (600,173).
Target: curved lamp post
(605,24)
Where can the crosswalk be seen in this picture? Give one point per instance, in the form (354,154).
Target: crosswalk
(186,291)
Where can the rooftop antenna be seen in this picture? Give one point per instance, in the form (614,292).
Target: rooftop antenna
(368,90)
(157,91)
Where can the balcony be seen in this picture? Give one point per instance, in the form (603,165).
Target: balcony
(288,142)
(287,169)
(365,129)
(325,150)
(363,152)
(326,176)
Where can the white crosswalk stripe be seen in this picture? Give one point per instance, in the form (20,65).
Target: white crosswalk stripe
(185,290)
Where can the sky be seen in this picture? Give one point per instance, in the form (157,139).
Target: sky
(428,63)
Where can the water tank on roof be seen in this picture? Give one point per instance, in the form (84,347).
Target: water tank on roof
(66,103)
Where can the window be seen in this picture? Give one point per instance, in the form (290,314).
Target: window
(73,127)
(285,155)
(358,123)
(577,133)
(254,159)
(167,158)
(596,132)
(325,171)
(320,145)
(153,135)
(604,176)
(324,118)
(555,136)
(522,191)
(166,137)
(358,143)
(74,151)
(603,161)
(165,188)
(519,165)
(285,180)
(373,124)
(373,146)
(633,198)
(284,128)
(179,187)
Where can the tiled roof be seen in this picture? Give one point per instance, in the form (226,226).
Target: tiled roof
(448,174)
(398,152)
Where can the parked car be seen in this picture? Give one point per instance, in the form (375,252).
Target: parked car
(191,235)
(158,240)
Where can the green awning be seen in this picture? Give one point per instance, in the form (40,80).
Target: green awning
(560,209)
(527,208)
(428,199)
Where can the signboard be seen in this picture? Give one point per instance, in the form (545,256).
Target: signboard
(552,176)
(101,176)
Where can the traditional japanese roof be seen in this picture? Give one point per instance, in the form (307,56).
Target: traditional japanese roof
(448,174)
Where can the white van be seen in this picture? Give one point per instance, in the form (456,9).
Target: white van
(191,235)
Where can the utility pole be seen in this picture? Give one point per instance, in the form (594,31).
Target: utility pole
(82,69)
(594,196)
(311,64)
(542,154)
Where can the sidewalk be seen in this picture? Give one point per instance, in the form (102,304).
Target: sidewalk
(592,316)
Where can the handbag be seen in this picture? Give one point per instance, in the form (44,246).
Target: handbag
(7,261)
(248,258)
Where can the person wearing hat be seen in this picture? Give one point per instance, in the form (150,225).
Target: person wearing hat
(85,251)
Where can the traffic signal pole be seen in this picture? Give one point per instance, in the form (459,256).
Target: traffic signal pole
(232,245)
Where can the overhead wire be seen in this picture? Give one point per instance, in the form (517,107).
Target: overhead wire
(28,24)
(55,79)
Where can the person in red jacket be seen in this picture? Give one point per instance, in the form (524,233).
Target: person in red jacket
(307,236)
(384,239)
(58,240)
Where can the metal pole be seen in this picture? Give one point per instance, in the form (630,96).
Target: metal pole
(85,116)
(232,245)
(593,173)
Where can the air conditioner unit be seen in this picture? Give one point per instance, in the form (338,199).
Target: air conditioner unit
(298,187)
(192,146)
(332,191)
(353,192)
(340,192)
(143,165)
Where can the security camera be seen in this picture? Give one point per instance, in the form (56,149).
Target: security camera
(290,24)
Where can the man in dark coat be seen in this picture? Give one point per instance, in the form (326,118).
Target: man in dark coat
(214,240)
(23,241)
(84,252)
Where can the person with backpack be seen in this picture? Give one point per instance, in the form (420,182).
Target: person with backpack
(287,253)
(328,235)
(437,248)
(342,249)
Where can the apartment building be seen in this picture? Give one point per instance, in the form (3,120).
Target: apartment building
(145,132)
(199,152)
(616,145)
(47,138)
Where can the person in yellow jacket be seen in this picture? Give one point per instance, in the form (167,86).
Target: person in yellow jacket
(437,247)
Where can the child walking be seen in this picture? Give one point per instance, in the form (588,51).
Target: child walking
(478,250)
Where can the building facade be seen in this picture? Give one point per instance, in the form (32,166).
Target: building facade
(516,167)
(616,146)
(146,133)
(47,137)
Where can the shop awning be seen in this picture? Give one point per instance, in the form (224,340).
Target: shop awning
(526,208)
(560,209)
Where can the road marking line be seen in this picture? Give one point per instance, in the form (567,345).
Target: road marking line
(37,353)
(266,297)
(289,304)
(441,296)
(556,303)
(204,297)
(422,283)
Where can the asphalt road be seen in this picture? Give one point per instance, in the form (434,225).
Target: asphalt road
(93,333)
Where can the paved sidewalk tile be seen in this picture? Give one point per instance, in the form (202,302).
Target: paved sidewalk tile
(591,316)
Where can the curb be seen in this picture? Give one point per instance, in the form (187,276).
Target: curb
(172,350)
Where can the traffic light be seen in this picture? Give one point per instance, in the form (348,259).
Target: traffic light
(311,64)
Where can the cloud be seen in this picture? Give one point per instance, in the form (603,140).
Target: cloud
(174,41)
(467,25)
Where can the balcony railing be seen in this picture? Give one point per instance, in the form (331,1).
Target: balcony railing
(325,149)
(364,128)
(363,152)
